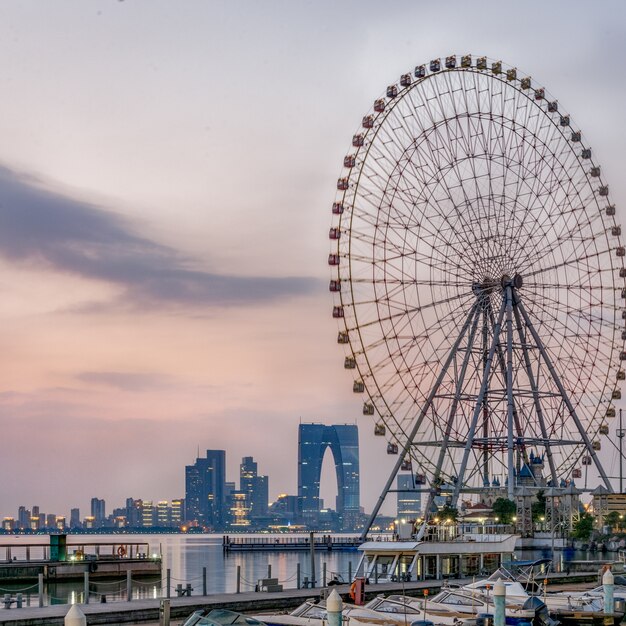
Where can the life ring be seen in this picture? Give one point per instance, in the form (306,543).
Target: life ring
(121,551)
(352,593)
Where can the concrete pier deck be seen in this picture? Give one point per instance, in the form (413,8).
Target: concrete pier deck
(146,611)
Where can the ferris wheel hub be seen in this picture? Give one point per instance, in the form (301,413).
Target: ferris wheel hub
(517,281)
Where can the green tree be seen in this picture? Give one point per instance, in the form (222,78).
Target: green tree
(448,512)
(504,510)
(538,508)
(583,527)
(612,519)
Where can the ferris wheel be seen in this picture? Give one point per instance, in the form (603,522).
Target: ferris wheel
(478,279)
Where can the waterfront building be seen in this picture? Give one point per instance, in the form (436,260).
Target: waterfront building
(133,512)
(254,486)
(205,489)
(98,511)
(89,522)
(163,514)
(23,517)
(8,524)
(286,510)
(148,516)
(59,522)
(177,510)
(239,510)
(343,441)
(409,499)
(34,522)
(74,518)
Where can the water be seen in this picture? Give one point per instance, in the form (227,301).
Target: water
(186,555)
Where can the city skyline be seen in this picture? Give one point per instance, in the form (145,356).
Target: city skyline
(166,179)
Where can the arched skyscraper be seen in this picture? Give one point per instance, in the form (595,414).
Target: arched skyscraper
(343,441)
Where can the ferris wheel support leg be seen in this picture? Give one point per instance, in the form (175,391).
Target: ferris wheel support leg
(418,421)
(503,368)
(452,414)
(509,391)
(568,404)
(535,392)
(479,402)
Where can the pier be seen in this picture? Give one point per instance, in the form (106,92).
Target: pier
(271,544)
(146,611)
(59,561)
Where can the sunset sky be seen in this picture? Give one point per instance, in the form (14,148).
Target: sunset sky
(166,175)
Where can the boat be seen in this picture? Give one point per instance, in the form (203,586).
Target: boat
(312,613)
(567,607)
(462,605)
(436,551)
(220,617)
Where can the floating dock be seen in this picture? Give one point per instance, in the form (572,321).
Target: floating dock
(328,543)
(60,561)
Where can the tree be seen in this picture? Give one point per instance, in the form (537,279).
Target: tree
(583,527)
(538,508)
(448,512)
(612,520)
(504,510)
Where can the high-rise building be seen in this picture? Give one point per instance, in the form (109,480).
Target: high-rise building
(163,514)
(409,500)
(254,486)
(23,517)
(147,514)
(133,512)
(178,507)
(205,490)
(74,518)
(343,441)
(98,511)
(239,510)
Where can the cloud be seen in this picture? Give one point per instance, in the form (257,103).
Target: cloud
(45,229)
(126,381)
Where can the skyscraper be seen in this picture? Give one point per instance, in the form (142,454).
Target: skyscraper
(98,511)
(409,499)
(254,486)
(205,483)
(75,518)
(343,441)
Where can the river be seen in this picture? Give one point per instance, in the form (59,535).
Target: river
(185,556)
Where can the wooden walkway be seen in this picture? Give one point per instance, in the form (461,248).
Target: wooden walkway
(145,611)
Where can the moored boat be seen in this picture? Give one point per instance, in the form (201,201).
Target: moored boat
(312,613)
(462,605)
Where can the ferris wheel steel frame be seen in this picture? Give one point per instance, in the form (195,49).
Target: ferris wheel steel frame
(468,196)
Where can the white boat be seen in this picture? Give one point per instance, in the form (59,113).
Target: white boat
(436,552)
(460,604)
(220,617)
(312,613)
(561,605)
